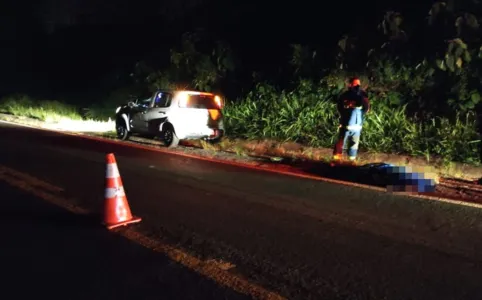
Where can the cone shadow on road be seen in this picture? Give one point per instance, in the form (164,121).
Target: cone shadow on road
(57,218)
(86,220)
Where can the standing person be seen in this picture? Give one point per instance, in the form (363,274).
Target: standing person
(352,106)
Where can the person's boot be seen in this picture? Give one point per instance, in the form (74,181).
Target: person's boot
(352,160)
(336,159)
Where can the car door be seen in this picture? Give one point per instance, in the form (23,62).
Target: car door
(158,112)
(138,123)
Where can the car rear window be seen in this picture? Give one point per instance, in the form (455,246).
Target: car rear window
(200,101)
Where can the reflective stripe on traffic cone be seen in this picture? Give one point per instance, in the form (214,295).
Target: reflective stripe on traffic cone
(116,208)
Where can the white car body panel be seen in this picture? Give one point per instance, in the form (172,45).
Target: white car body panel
(188,123)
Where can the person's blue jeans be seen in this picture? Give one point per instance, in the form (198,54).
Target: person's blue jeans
(348,141)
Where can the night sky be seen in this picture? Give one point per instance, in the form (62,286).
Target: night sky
(54,47)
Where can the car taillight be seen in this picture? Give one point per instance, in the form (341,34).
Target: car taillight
(218,101)
(184,100)
(214,114)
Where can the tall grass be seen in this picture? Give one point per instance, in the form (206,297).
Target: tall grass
(99,112)
(50,111)
(284,116)
(308,115)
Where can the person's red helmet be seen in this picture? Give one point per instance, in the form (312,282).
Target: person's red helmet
(355,81)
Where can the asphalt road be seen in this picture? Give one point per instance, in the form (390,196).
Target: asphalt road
(302,238)
(48,252)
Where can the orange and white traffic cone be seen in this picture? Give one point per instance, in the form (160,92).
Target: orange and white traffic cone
(116,208)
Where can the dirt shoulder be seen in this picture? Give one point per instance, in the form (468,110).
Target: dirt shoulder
(296,151)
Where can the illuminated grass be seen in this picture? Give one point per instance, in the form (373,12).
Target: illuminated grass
(305,115)
(48,111)
(56,115)
(308,116)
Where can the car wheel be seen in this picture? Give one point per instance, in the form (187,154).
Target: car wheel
(121,129)
(169,137)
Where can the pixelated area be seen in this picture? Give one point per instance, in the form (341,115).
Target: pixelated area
(405,179)
(399,179)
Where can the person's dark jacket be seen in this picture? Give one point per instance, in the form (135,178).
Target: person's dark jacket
(352,106)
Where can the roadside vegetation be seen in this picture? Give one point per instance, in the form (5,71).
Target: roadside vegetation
(55,114)
(424,79)
(43,110)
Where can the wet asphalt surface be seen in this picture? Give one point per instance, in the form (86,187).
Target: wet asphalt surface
(302,238)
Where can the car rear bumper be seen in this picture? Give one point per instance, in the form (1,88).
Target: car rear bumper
(211,134)
(217,134)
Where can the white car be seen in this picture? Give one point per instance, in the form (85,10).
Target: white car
(172,116)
